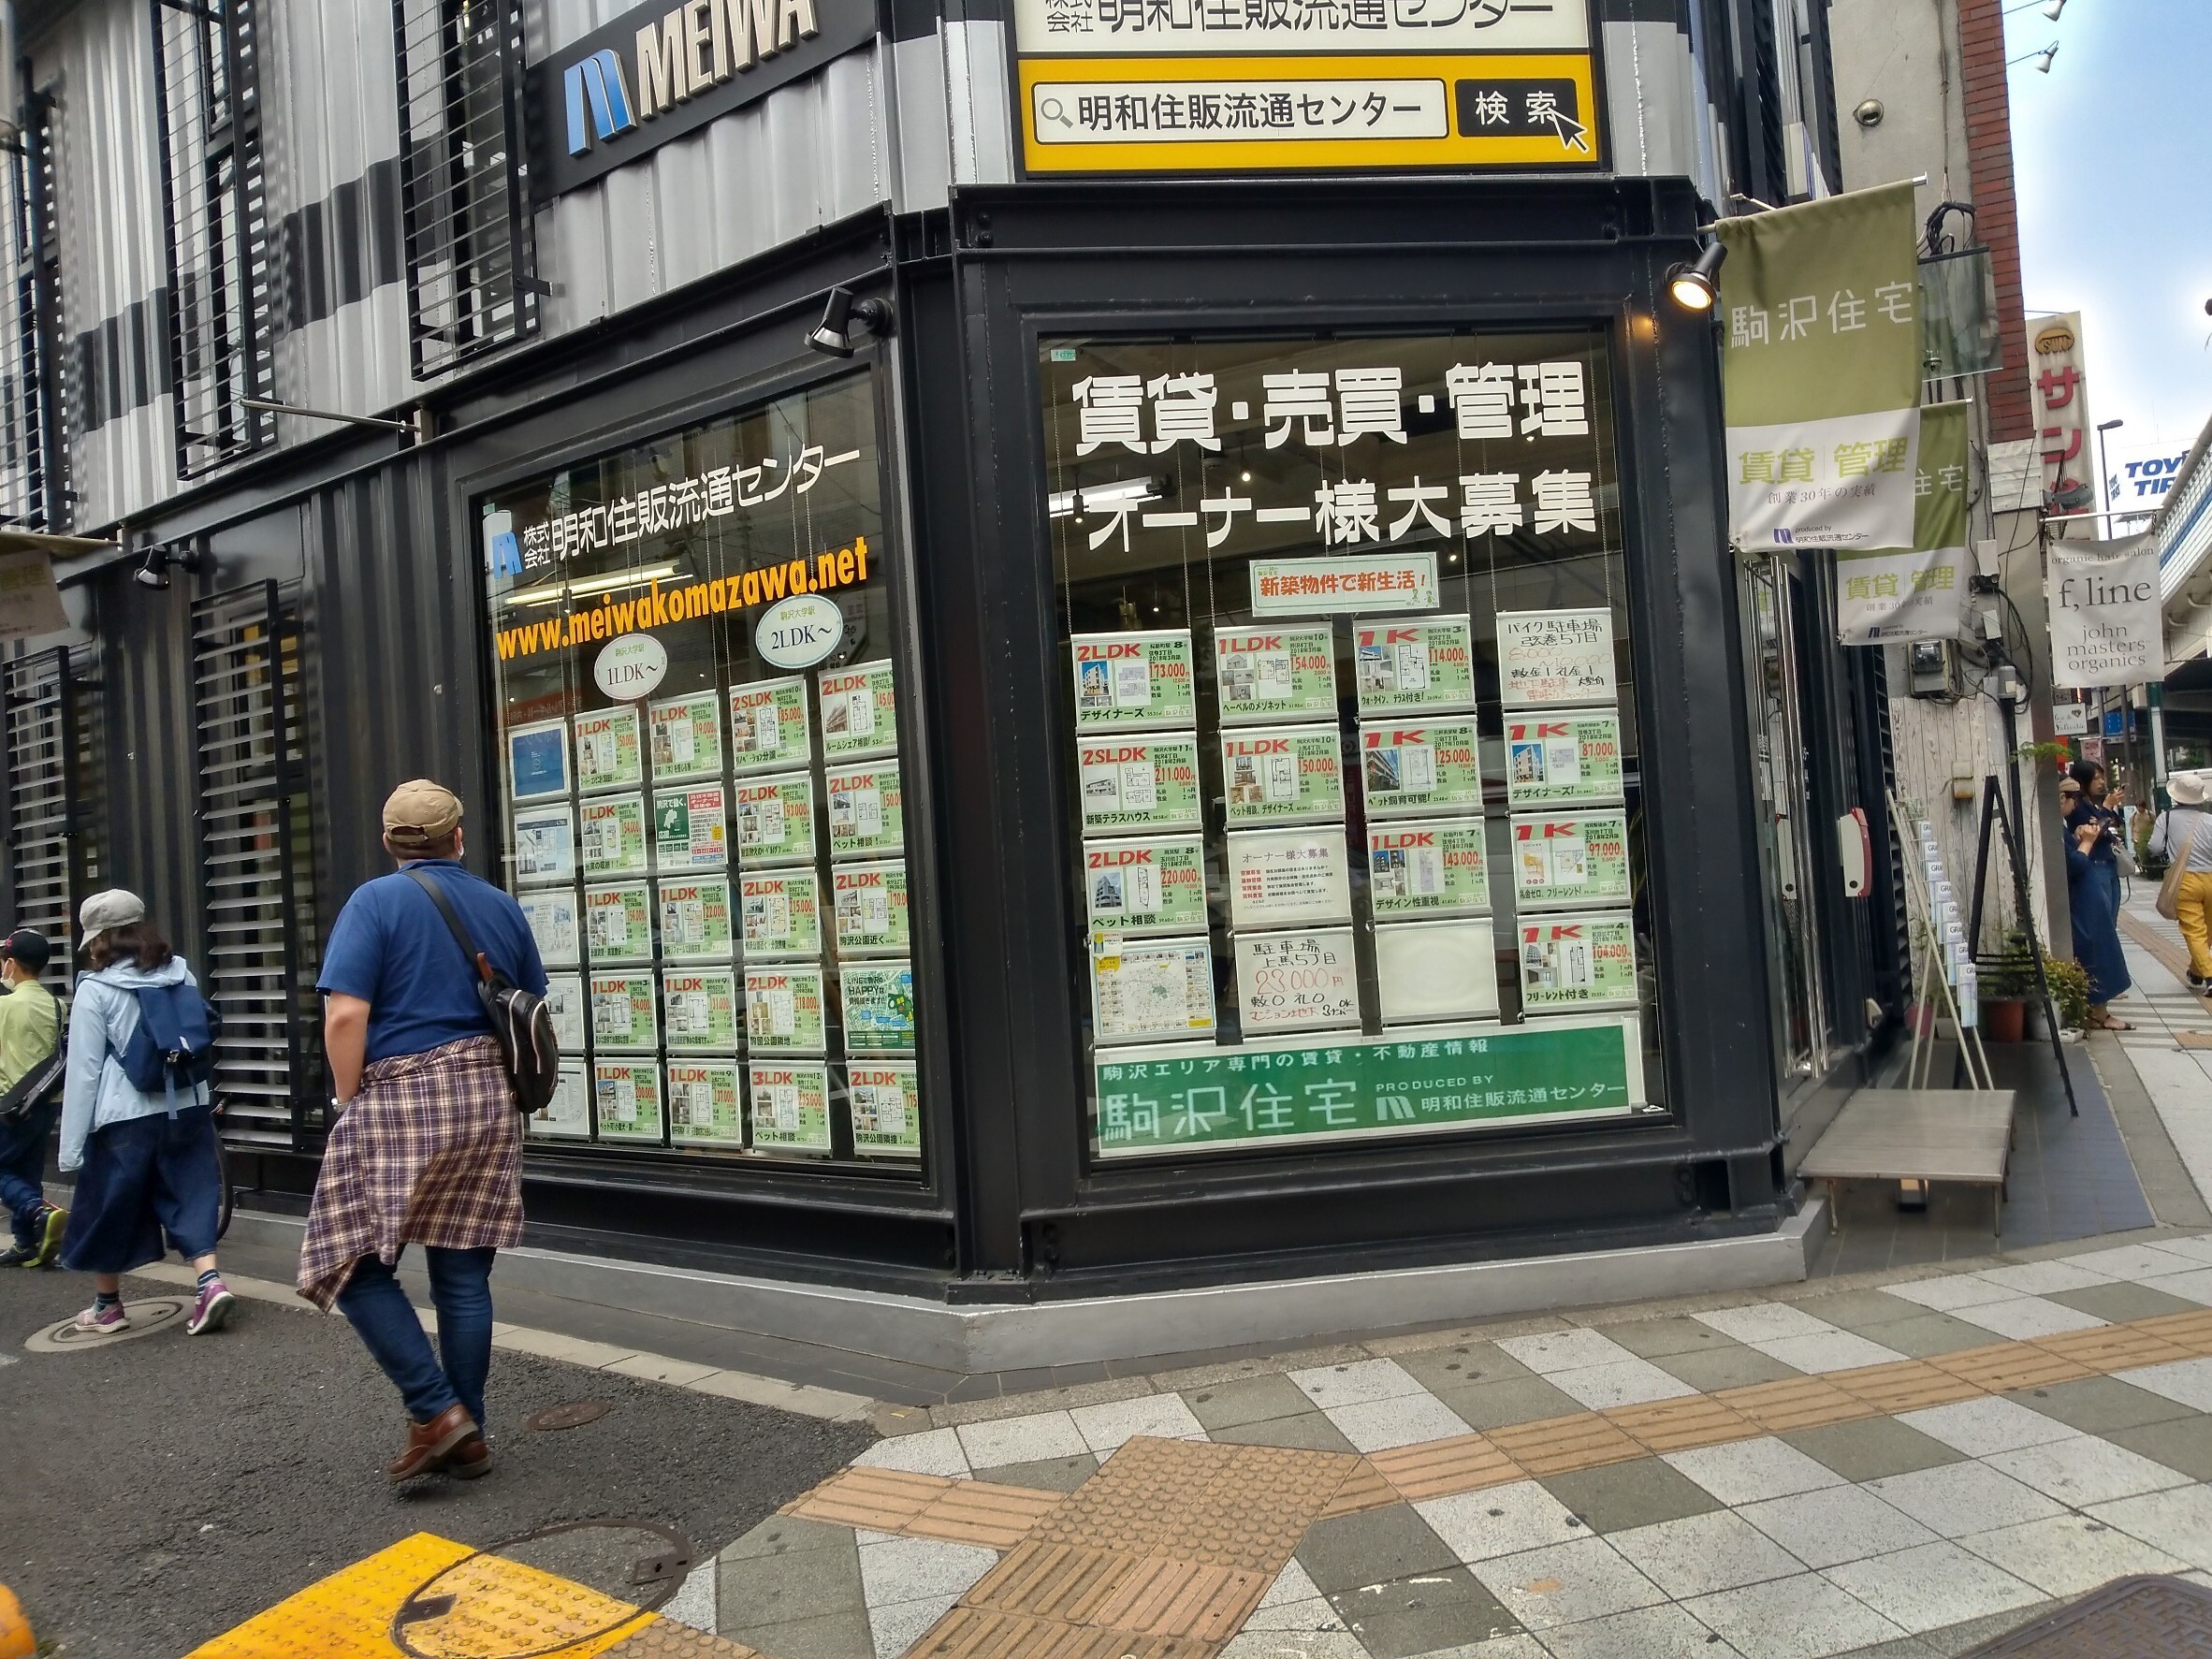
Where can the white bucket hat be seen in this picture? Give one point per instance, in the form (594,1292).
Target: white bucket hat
(2190,789)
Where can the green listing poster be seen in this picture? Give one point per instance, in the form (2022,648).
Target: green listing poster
(618,923)
(878,1006)
(1575,859)
(1133,683)
(781,913)
(695,919)
(1429,870)
(1406,771)
(859,713)
(687,733)
(628,1095)
(1571,759)
(1414,665)
(1146,886)
(1571,961)
(886,1109)
(691,827)
(705,1107)
(623,1011)
(608,752)
(702,1004)
(1265,675)
(768,725)
(772,819)
(1140,783)
(790,1106)
(871,905)
(783,1010)
(1188,1098)
(867,811)
(615,836)
(1293,774)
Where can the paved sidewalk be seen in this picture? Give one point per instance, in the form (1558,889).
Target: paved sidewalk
(1903,1466)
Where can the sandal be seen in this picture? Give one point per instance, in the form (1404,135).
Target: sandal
(2109,1023)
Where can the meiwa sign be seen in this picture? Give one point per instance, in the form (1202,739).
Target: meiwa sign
(659,72)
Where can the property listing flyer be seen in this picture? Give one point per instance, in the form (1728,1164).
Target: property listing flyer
(691,827)
(886,1109)
(565,1006)
(772,818)
(1133,683)
(1146,886)
(609,754)
(615,836)
(1428,869)
(705,1107)
(1287,775)
(1398,666)
(1578,961)
(1410,770)
(1578,859)
(552,917)
(1555,659)
(867,811)
(618,923)
(790,1104)
(783,1009)
(1140,783)
(1151,988)
(1286,878)
(622,1015)
(1569,759)
(702,1004)
(686,735)
(1435,970)
(782,913)
(695,918)
(537,759)
(768,725)
(544,844)
(871,905)
(1306,981)
(628,1099)
(1263,674)
(859,713)
(878,1000)
(567,1116)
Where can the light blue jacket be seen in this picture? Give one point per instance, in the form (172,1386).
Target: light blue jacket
(102,1018)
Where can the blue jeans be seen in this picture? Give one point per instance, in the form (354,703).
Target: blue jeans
(381,1315)
(22,1169)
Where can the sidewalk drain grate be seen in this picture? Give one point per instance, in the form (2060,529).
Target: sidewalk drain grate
(2149,1617)
(573,1415)
(548,1591)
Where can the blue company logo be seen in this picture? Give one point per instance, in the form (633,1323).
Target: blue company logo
(600,81)
(1785,535)
(502,551)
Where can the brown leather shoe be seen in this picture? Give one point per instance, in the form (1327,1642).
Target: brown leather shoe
(471,1458)
(429,1443)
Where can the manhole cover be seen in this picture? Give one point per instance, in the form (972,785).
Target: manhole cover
(155,1314)
(2142,1618)
(543,1592)
(573,1415)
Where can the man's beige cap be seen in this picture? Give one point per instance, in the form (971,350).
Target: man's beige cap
(420,812)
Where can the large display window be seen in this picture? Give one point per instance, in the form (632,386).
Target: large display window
(1351,732)
(701,713)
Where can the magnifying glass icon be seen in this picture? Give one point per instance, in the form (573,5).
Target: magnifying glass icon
(1055,111)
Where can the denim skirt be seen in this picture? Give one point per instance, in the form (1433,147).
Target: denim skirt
(142,1178)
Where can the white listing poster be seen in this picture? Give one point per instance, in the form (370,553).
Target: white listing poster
(1149,988)
(1133,681)
(1263,674)
(1440,869)
(544,844)
(1555,659)
(552,917)
(1306,981)
(567,1116)
(564,1005)
(1289,878)
(1433,970)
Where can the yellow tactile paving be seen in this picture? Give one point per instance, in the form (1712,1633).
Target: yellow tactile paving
(2193,1330)
(1364,1488)
(500,1606)
(1794,1403)
(2004,1366)
(1676,1425)
(881,1500)
(982,1512)
(2114,1347)
(1559,1445)
(1443,1468)
(977,1632)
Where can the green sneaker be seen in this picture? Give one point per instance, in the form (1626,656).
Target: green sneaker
(18,1256)
(50,1239)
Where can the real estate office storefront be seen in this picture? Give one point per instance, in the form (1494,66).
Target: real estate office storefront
(1222,744)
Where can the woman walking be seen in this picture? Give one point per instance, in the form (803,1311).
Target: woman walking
(2184,837)
(146,1156)
(2092,885)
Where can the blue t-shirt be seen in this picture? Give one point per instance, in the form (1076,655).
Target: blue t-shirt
(391,947)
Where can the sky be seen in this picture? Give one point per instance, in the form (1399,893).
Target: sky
(2112,161)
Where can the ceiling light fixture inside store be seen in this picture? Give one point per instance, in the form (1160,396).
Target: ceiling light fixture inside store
(588,585)
(842,317)
(1696,286)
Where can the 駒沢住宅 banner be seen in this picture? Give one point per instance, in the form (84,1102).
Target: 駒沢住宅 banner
(1212,86)
(2106,626)
(1820,371)
(1887,594)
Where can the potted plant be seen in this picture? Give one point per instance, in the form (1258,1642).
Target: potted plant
(2069,989)
(2006,980)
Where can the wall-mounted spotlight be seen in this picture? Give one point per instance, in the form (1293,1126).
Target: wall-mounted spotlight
(1696,286)
(154,570)
(845,316)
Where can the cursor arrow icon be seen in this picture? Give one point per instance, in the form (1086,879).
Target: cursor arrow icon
(1570,131)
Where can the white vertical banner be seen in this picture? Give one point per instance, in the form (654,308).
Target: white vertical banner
(2106,628)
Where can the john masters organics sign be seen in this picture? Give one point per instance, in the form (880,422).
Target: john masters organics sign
(659,72)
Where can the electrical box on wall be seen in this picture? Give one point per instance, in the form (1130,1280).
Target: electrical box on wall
(1934,670)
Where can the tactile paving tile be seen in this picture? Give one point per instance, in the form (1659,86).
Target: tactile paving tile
(1132,1502)
(505,1606)
(2004,1366)
(2114,1347)
(1065,1582)
(2191,1331)
(1561,1445)
(1364,1488)
(2135,1618)
(980,1632)
(980,1512)
(663,1639)
(1184,1598)
(1257,1508)
(881,1500)
(1439,1468)
(1794,1403)
(1677,1425)
(1904,1385)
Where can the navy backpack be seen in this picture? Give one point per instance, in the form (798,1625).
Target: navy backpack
(174,1050)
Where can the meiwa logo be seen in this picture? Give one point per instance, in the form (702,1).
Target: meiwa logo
(1784,533)
(693,49)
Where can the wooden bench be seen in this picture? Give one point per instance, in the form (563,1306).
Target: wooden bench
(1963,1135)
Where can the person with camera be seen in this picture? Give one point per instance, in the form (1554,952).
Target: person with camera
(2093,890)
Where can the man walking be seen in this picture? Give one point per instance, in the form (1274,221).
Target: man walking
(30,1031)
(426,1143)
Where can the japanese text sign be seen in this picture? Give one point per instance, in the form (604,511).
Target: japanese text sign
(1884,594)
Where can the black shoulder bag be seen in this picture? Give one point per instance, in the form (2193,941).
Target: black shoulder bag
(519,1019)
(35,1088)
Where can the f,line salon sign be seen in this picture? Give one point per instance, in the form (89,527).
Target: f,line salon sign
(660,71)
